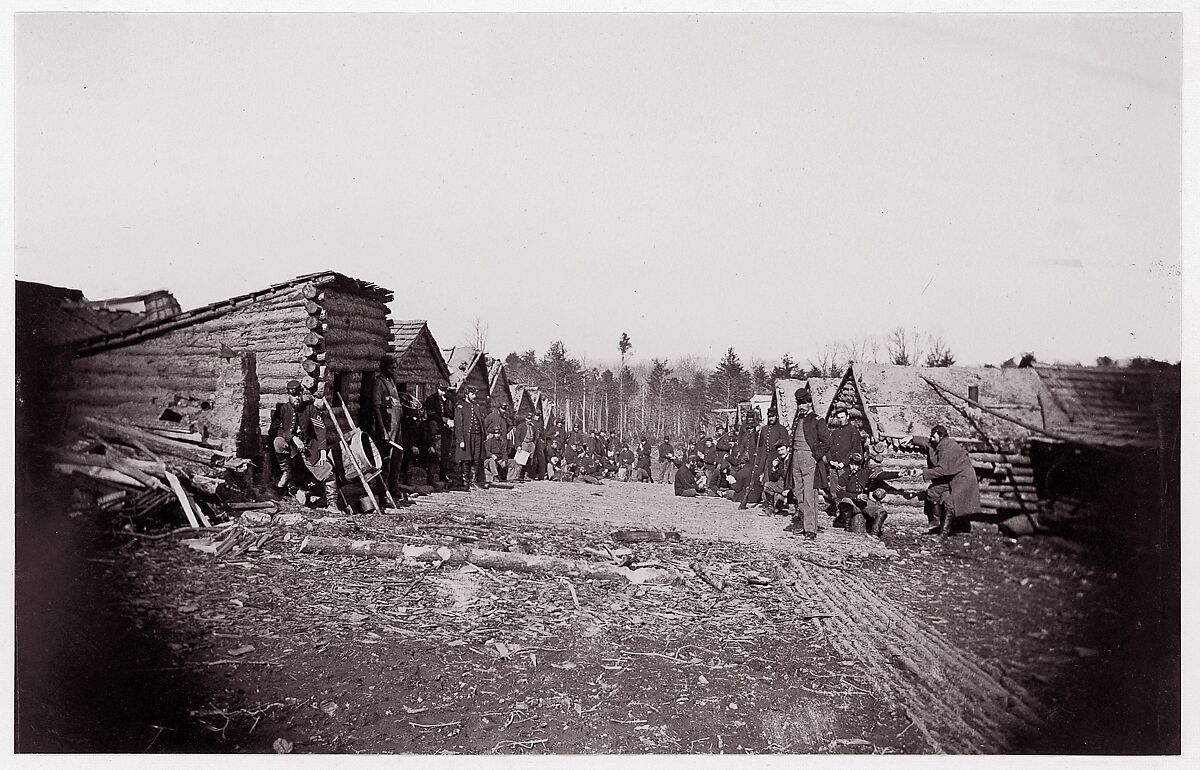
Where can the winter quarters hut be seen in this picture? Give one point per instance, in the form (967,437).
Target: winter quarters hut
(499,388)
(225,365)
(895,401)
(468,369)
(521,401)
(420,367)
(1108,460)
(783,399)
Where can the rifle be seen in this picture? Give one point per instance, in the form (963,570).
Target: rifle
(750,482)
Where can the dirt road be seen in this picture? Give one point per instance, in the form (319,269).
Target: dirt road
(911,645)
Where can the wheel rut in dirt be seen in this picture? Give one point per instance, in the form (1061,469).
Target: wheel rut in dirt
(956,701)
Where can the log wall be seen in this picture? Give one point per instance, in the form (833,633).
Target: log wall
(1006,480)
(322,337)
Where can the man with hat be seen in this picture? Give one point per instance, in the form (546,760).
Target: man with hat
(299,443)
(387,418)
(771,436)
(844,440)
(859,492)
(810,442)
(953,485)
(495,420)
(666,456)
(469,433)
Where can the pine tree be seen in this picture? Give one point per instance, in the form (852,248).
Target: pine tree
(760,381)
(730,382)
(785,369)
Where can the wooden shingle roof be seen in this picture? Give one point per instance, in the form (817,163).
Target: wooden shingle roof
(1111,406)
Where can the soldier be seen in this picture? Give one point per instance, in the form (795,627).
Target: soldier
(493,452)
(845,440)
(859,491)
(299,443)
(685,480)
(434,439)
(625,460)
(953,485)
(525,440)
(469,435)
(387,420)
(666,453)
(775,490)
(495,420)
(810,442)
(412,429)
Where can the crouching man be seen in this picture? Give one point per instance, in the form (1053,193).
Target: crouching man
(685,480)
(858,493)
(299,444)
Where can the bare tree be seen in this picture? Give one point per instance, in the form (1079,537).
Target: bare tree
(861,349)
(478,335)
(904,346)
(828,362)
(939,352)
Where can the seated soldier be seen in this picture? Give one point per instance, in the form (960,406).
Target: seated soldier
(861,490)
(493,448)
(589,467)
(685,480)
(777,493)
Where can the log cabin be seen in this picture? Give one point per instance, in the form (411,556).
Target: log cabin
(226,364)
(420,367)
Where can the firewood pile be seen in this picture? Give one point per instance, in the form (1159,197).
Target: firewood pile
(148,474)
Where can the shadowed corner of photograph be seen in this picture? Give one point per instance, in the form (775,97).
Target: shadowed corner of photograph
(91,676)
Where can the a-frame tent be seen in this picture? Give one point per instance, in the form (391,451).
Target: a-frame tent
(499,388)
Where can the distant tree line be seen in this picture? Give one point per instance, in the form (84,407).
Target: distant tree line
(658,397)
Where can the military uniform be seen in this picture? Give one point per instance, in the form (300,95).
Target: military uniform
(469,435)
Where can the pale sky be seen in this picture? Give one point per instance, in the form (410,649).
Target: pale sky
(766,182)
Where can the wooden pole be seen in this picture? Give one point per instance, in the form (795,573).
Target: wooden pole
(348,450)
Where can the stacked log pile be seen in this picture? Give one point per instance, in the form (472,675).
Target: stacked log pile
(136,473)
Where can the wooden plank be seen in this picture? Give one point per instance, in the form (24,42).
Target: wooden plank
(184,501)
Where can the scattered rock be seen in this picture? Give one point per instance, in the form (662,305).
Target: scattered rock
(243,650)
(282,746)
(287,519)
(255,518)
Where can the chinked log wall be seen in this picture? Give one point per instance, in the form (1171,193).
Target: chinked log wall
(310,334)
(1006,481)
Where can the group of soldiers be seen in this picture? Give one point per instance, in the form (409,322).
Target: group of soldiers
(457,439)
(817,464)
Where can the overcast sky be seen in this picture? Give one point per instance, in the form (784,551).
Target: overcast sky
(769,183)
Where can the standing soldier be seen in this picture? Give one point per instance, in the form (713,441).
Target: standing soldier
(468,431)
(387,418)
(810,442)
(435,431)
(666,454)
(299,443)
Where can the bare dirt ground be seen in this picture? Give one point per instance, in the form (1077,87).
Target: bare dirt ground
(909,645)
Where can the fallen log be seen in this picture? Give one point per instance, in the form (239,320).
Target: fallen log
(107,475)
(251,506)
(644,536)
(501,560)
(707,576)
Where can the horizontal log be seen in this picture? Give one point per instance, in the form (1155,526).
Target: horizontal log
(344,304)
(120,432)
(501,560)
(143,401)
(314,339)
(338,336)
(995,457)
(107,475)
